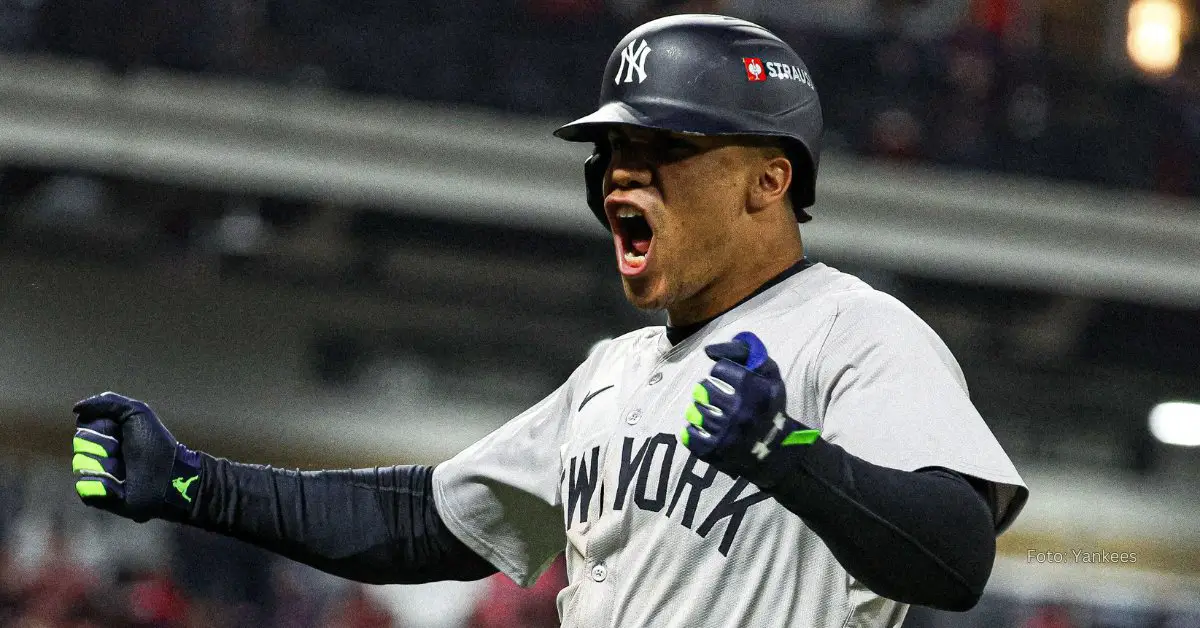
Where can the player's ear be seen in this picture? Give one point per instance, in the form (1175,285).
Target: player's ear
(772,178)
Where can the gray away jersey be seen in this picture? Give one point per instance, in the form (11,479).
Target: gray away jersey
(656,538)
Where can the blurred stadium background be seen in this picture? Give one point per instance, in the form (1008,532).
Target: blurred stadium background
(338,233)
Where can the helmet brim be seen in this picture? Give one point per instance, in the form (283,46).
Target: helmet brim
(662,115)
(592,127)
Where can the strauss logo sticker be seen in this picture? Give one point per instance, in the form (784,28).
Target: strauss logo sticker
(758,71)
(754,69)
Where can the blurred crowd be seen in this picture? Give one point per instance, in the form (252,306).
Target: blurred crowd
(65,566)
(1007,85)
(61,592)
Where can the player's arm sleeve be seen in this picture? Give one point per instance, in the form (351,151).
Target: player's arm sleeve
(376,525)
(500,496)
(906,472)
(932,523)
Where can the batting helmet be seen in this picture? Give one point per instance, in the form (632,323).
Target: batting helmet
(707,75)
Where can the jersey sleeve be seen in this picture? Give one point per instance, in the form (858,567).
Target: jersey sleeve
(500,495)
(895,396)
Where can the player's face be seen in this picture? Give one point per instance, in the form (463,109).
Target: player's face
(673,202)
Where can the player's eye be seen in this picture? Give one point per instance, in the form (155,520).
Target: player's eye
(659,148)
(679,148)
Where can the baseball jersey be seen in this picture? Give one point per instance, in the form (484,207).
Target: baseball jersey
(655,537)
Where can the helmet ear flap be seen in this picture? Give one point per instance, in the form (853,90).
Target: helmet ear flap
(804,177)
(593,175)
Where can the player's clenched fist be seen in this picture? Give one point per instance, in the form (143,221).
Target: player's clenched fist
(736,416)
(125,461)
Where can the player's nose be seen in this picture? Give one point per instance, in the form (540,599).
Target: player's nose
(626,173)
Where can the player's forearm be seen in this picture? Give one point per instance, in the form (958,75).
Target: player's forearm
(371,525)
(917,537)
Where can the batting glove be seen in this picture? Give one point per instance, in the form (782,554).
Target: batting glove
(126,462)
(736,418)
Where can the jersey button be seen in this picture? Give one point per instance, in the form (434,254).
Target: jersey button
(634,417)
(599,573)
(655,378)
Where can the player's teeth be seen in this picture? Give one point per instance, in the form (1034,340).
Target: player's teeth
(628,212)
(634,259)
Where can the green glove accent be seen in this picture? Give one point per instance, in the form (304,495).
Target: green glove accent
(182,485)
(81,462)
(88,447)
(90,488)
(85,459)
(700,395)
(684,436)
(801,437)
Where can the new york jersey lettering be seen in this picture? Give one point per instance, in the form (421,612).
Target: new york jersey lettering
(645,478)
(581,483)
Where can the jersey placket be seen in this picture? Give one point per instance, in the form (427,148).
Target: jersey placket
(607,540)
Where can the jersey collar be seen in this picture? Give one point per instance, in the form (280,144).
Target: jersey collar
(677,334)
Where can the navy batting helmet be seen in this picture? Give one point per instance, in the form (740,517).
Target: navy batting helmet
(708,75)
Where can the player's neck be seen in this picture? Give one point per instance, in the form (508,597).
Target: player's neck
(730,290)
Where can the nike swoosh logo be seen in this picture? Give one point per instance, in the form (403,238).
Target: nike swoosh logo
(592,394)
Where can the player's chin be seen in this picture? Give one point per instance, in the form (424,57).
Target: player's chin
(645,292)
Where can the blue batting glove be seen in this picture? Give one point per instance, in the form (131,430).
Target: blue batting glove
(737,416)
(127,462)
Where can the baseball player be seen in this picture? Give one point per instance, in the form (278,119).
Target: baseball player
(793,448)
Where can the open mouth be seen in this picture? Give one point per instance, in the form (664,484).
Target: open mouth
(634,237)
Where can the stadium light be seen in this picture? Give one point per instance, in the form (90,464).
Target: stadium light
(1155,35)
(1176,423)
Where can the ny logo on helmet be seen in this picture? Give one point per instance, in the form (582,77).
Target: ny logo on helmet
(633,61)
